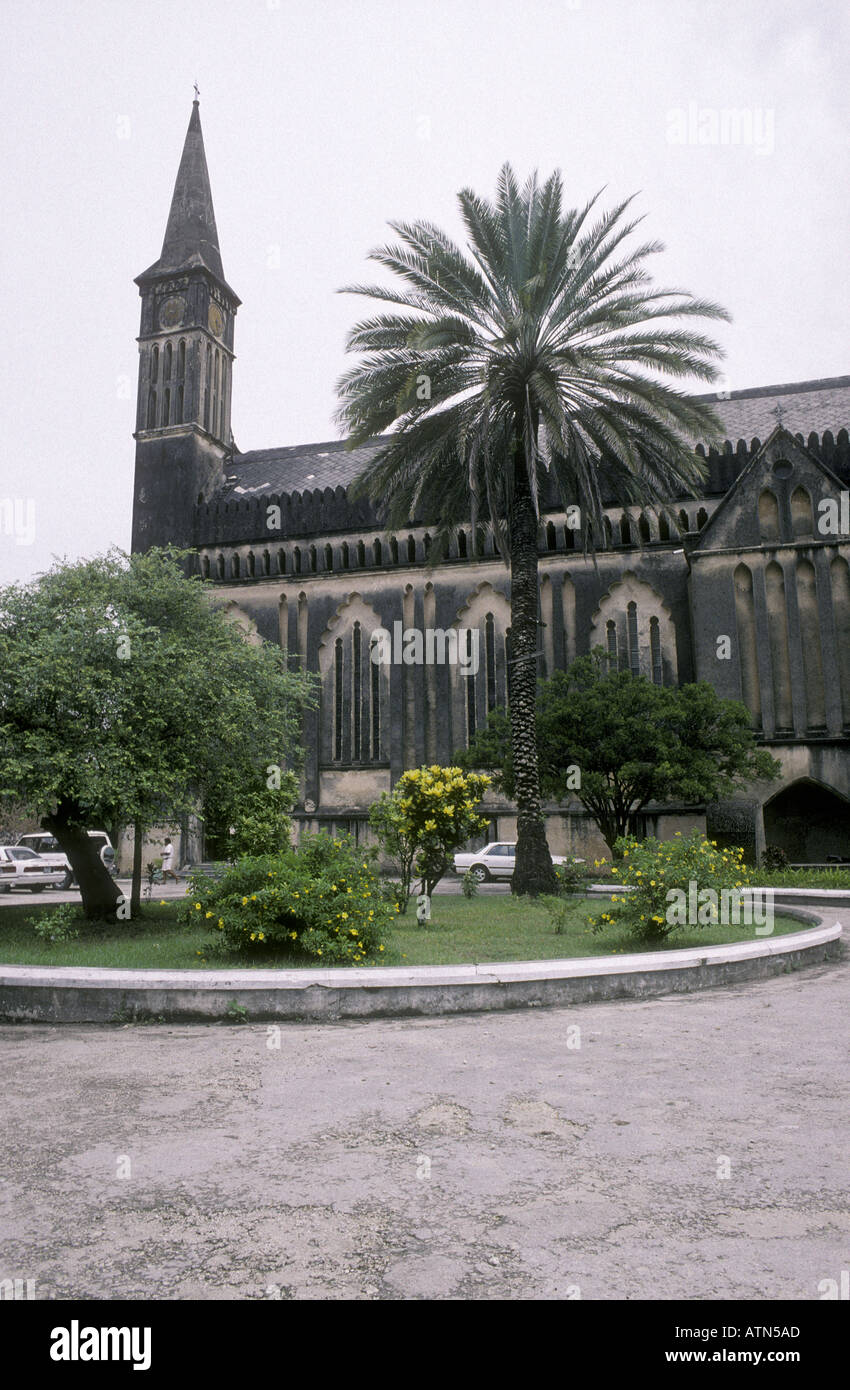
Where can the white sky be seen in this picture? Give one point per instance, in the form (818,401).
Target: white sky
(323,120)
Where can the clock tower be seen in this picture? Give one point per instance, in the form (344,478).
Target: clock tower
(183,434)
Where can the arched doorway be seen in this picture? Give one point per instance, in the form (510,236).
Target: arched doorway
(809,822)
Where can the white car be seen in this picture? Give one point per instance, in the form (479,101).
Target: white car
(493,861)
(23,868)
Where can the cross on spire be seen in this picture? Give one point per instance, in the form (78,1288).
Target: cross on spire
(197,92)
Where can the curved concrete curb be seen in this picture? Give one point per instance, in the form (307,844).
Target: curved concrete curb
(68,994)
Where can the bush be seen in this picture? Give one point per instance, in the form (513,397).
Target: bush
(559,909)
(774,857)
(469,885)
(571,877)
(321,899)
(61,924)
(428,815)
(650,868)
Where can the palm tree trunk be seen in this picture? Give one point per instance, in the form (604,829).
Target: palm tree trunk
(534,872)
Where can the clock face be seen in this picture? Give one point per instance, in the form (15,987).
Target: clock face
(215,319)
(172,311)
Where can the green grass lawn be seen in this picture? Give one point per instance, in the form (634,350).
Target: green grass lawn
(485,928)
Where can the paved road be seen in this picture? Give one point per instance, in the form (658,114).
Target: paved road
(51,897)
(481,1157)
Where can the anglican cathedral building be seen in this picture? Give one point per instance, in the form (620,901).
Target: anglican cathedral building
(757,559)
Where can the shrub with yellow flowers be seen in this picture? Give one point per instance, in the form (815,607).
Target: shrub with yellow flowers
(321,899)
(649,869)
(429,814)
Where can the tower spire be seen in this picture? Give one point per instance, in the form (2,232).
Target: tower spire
(191,236)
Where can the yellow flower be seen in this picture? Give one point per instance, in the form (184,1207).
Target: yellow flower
(197,907)
(207,914)
(244,901)
(261,937)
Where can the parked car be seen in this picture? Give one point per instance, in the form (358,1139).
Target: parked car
(493,861)
(23,868)
(47,847)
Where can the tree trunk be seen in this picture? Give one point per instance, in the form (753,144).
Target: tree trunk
(534,872)
(136,889)
(99,892)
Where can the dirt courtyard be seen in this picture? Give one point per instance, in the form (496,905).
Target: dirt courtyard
(685,1147)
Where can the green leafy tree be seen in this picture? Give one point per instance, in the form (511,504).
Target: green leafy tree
(126,693)
(429,814)
(393,829)
(617,741)
(258,819)
(537,362)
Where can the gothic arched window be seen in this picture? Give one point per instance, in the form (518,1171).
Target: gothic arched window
(655,652)
(338,700)
(490,660)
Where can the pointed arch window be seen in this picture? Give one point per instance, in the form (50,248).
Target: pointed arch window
(490,660)
(655,652)
(338,700)
(207,383)
(181,381)
(469,682)
(611,640)
(329,557)
(461,545)
(632,631)
(357,691)
(375,679)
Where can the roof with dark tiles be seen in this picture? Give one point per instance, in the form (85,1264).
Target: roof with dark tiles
(804,407)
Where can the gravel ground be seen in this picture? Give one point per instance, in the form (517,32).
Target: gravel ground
(497,1156)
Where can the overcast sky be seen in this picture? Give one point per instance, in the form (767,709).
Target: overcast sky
(324,120)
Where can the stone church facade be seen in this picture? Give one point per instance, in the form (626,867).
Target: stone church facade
(747,586)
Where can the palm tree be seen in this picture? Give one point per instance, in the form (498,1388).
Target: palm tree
(535,359)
